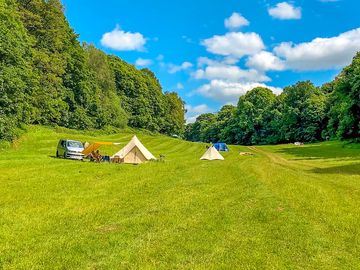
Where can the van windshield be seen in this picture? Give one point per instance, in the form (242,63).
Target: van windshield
(74,144)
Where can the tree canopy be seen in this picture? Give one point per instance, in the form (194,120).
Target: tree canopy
(48,77)
(302,112)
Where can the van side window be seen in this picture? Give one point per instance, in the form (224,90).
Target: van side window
(63,143)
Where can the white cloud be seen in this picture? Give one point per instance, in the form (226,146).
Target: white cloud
(225,69)
(192,119)
(229,60)
(205,61)
(235,21)
(184,66)
(235,44)
(123,41)
(202,108)
(229,73)
(193,112)
(264,61)
(320,53)
(140,62)
(285,11)
(230,91)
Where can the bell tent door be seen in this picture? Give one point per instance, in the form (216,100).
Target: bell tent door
(134,156)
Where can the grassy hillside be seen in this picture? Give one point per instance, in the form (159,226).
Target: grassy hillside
(286,207)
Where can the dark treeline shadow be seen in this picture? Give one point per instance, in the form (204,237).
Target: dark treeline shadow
(351,169)
(323,151)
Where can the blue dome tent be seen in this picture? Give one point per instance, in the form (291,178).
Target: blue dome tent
(221,147)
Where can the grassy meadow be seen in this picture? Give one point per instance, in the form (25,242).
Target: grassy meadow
(286,207)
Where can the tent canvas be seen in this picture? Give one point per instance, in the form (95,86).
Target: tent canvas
(212,154)
(94,147)
(221,147)
(134,152)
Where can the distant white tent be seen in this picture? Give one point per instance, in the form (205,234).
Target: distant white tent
(212,154)
(134,152)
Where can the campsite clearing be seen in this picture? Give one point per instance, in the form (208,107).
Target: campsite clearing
(286,207)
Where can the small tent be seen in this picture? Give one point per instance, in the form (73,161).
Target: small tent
(134,152)
(221,147)
(212,154)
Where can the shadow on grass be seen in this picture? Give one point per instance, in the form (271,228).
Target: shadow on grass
(351,169)
(339,151)
(67,159)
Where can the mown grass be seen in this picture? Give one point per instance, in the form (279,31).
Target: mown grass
(285,207)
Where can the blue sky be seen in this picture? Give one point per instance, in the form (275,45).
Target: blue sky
(211,52)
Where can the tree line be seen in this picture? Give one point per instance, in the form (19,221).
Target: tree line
(47,77)
(302,112)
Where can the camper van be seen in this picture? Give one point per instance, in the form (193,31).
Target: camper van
(70,149)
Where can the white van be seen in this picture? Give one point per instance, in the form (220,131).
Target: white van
(70,149)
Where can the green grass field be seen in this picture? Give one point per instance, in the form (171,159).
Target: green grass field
(286,207)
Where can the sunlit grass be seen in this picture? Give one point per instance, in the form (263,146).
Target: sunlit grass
(286,207)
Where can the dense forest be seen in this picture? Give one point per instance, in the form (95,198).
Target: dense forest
(302,112)
(47,77)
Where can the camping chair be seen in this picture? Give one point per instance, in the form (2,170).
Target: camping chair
(92,157)
(117,159)
(95,156)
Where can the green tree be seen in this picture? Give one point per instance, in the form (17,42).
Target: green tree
(344,113)
(16,77)
(303,112)
(48,77)
(252,112)
(132,88)
(106,107)
(174,115)
(203,129)
(44,23)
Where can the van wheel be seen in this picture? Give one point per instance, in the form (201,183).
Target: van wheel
(57,154)
(65,155)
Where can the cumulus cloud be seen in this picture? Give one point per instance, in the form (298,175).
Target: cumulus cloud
(320,53)
(205,61)
(230,73)
(175,68)
(285,11)
(265,61)
(193,112)
(123,41)
(140,62)
(229,92)
(235,21)
(229,60)
(235,44)
(202,108)
(192,119)
(227,82)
